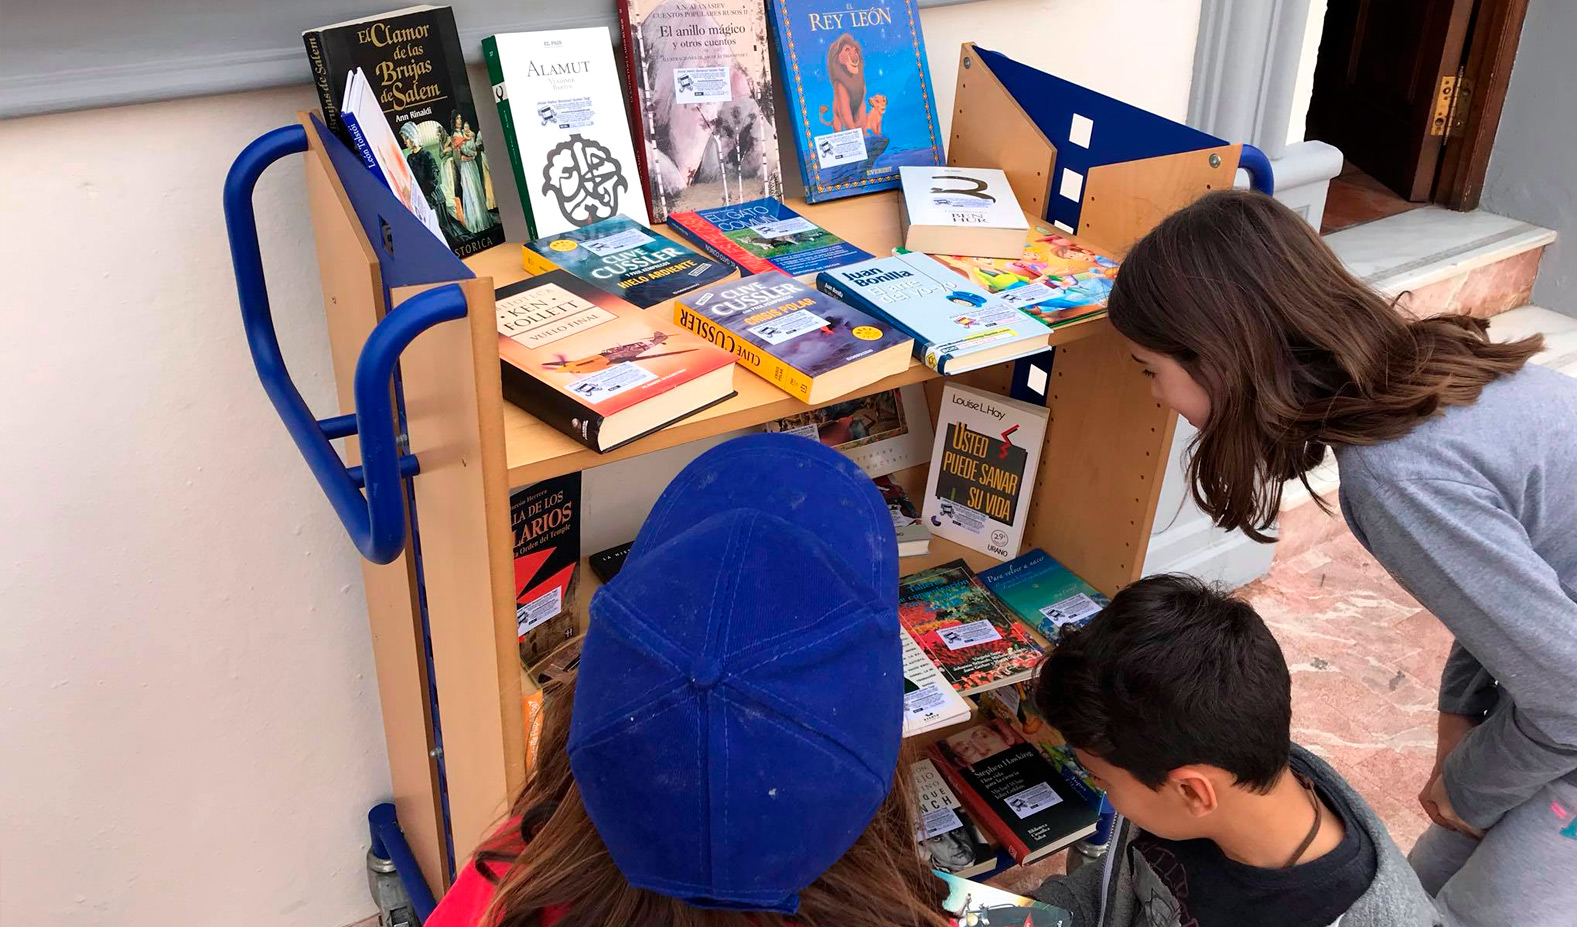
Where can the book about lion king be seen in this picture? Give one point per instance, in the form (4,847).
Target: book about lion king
(859,92)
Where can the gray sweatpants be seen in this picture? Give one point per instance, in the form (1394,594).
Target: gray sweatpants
(1524,871)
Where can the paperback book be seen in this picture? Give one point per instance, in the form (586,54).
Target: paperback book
(565,126)
(929,700)
(957,326)
(374,141)
(1013,705)
(973,904)
(949,839)
(598,369)
(606,564)
(545,521)
(412,61)
(701,102)
(805,343)
(1045,594)
(859,93)
(914,538)
(765,235)
(622,257)
(965,630)
(883,432)
(983,469)
(1055,279)
(960,210)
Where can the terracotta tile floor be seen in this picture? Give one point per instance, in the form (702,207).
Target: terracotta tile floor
(1354,198)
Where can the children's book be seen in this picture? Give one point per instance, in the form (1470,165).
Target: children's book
(1012,791)
(859,92)
(700,82)
(414,68)
(545,521)
(973,904)
(1056,279)
(806,343)
(929,700)
(373,140)
(565,126)
(964,629)
(960,210)
(596,367)
(949,839)
(765,235)
(957,326)
(983,469)
(622,257)
(914,538)
(1046,594)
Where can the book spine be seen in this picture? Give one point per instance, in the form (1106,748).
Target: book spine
(551,406)
(360,146)
(323,82)
(535,263)
(979,808)
(702,234)
(832,286)
(629,45)
(793,94)
(764,365)
(506,120)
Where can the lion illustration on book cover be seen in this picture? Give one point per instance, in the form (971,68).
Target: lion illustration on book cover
(850,108)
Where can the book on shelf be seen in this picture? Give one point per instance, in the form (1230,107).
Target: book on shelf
(622,257)
(411,58)
(701,102)
(965,630)
(372,138)
(929,700)
(544,519)
(960,210)
(973,904)
(1050,597)
(596,367)
(1014,705)
(606,564)
(1055,278)
(914,538)
(1012,791)
(883,432)
(949,839)
(858,91)
(810,345)
(983,469)
(764,235)
(957,326)
(565,126)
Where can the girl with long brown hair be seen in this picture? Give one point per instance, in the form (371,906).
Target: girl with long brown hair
(1458,466)
(727,752)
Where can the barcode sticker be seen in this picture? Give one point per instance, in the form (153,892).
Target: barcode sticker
(793,225)
(785,327)
(1074,610)
(1037,797)
(939,821)
(618,241)
(922,700)
(968,635)
(702,85)
(530,614)
(610,382)
(835,148)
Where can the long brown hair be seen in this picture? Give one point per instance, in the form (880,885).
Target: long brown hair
(1295,353)
(880,882)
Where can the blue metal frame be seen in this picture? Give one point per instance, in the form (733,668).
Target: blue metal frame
(375,521)
(388,842)
(1260,177)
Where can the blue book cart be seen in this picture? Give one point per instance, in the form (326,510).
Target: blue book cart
(420,457)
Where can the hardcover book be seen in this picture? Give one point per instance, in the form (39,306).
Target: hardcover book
(597,368)
(1055,279)
(956,325)
(929,700)
(701,102)
(949,839)
(973,904)
(412,61)
(809,345)
(859,93)
(1014,793)
(983,469)
(622,257)
(1014,705)
(545,521)
(914,538)
(765,235)
(960,210)
(1046,594)
(964,629)
(565,126)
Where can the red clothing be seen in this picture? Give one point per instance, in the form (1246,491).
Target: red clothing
(469,896)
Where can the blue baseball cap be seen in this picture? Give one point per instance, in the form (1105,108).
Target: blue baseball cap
(739,706)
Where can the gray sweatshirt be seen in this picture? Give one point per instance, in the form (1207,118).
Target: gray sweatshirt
(1475,513)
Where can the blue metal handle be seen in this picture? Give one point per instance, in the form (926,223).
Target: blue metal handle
(376,521)
(1260,178)
(388,842)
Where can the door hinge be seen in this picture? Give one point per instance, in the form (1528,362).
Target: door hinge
(1452,96)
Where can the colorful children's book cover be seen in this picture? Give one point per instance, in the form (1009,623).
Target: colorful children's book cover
(764,235)
(964,629)
(1057,280)
(626,259)
(1043,592)
(983,469)
(859,92)
(545,521)
(949,839)
(701,102)
(975,904)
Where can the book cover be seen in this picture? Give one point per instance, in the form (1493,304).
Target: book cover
(412,61)
(576,356)
(764,235)
(373,139)
(622,257)
(960,210)
(1050,597)
(545,521)
(983,469)
(701,102)
(606,564)
(1014,705)
(973,904)
(1013,792)
(794,336)
(964,629)
(929,700)
(949,839)
(859,93)
(956,324)
(564,123)
(1056,279)
(883,432)
(914,538)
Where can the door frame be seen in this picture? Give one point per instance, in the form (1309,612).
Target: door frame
(1491,50)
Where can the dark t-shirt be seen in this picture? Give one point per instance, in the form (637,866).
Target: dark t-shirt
(1208,889)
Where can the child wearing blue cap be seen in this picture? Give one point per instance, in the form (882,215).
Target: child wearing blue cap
(707,766)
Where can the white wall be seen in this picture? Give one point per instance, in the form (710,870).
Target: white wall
(187,699)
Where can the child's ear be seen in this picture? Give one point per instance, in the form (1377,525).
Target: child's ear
(1196,789)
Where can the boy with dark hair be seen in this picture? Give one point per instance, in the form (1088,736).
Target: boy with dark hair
(1177,699)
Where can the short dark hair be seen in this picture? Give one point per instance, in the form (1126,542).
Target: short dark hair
(1173,672)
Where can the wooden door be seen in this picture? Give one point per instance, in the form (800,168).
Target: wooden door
(1376,84)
